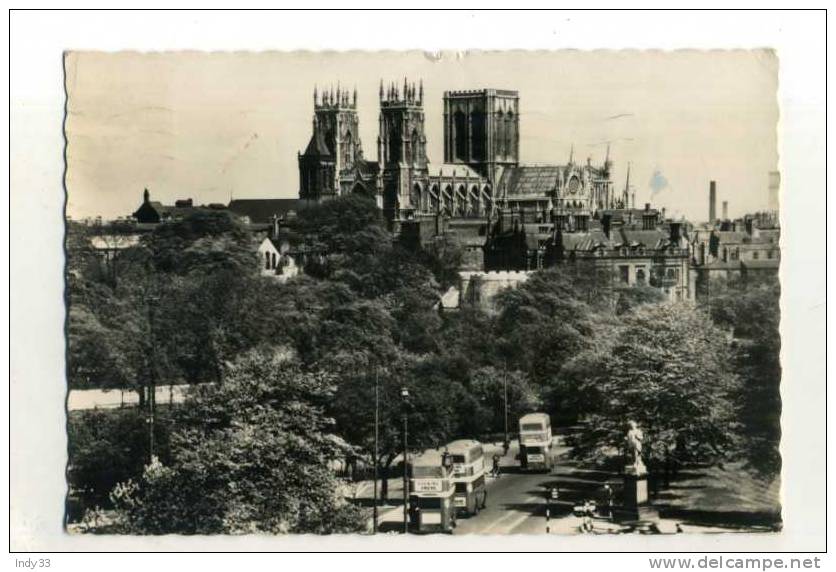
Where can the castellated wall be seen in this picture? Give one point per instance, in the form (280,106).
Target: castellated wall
(481,288)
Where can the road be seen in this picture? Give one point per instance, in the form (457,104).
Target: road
(83,399)
(517,501)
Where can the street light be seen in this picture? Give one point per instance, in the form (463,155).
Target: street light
(151,387)
(505,399)
(404,397)
(376,445)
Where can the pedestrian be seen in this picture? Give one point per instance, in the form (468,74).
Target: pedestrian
(505,446)
(588,513)
(608,496)
(496,465)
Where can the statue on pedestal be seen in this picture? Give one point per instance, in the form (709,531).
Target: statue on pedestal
(635,437)
(636,505)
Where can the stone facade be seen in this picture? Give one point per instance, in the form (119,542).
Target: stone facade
(481,171)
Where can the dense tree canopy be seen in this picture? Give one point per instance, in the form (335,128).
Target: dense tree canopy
(750,311)
(248,455)
(667,368)
(187,305)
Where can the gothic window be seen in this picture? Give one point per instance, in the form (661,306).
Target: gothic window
(416,197)
(273,261)
(461,201)
(267,261)
(395,142)
(460,135)
(509,133)
(500,134)
(477,126)
(348,151)
(416,147)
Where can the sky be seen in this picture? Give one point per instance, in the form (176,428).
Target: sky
(214,126)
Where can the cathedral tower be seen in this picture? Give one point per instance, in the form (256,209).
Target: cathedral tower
(334,150)
(402,149)
(482,129)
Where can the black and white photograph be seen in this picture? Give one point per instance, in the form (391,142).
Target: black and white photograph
(408,294)
(486,299)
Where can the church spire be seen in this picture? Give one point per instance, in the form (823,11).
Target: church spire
(572,155)
(315,96)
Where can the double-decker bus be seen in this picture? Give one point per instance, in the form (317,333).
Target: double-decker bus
(535,442)
(431,491)
(468,475)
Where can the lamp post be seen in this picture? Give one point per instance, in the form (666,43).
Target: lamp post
(376,445)
(152,381)
(404,397)
(505,399)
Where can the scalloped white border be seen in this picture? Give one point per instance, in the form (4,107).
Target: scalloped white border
(37,314)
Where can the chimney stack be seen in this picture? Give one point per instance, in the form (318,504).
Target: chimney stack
(725,210)
(712,202)
(606,221)
(676,232)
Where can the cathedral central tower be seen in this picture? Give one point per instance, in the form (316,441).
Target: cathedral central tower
(482,130)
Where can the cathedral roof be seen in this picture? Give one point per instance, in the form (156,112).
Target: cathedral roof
(529,180)
(318,145)
(449,169)
(367,168)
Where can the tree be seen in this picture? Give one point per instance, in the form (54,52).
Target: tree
(439,407)
(544,323)
(248,455)
(443,256)
(343,224)
(106,447)
(632,297)
(488,385)
(667,368)
(750,309)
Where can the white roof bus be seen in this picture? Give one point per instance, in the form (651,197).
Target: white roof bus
(535,442)
(431,490)
(468,475)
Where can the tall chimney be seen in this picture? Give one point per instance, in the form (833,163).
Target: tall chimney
(712,202)
(725,210)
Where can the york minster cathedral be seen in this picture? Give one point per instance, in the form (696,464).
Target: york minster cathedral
(481,171)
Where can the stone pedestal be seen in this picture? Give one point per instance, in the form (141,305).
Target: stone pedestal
(635,486)
(635,505)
